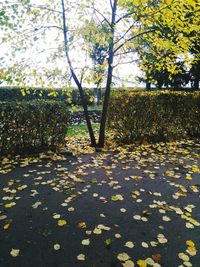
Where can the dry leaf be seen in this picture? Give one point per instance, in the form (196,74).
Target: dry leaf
(145,245)
(183,256)
(142,263)
(129,244)
(81,257)
(82,225)
(128,263)
(156,257)
(85,242)
(56,246)
(123,256)
(14,252)
(62,222)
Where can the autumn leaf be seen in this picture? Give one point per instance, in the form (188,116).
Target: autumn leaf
(56,216)
(144,245)
(62,222)
(156,257)
(117,197)
(14,252)
(128,263)
(142,263)
(108,242)
(6,226)
(183,256)
(97,231)
(56,246)
(37,204)
(190,243)
(118,236)
(129,244)
(123,256)
(82,225)
(10,205)
(85,242)
(81,257)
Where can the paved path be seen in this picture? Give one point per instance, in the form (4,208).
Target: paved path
(133,207)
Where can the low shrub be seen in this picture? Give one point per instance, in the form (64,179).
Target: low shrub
(70,96)
(154,116)
(30,126)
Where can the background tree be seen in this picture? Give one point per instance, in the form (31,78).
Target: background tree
(98,52)
(195,68)
(162,53)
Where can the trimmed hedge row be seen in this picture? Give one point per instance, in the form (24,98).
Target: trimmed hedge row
(30,126)
(154,116)
(20,94)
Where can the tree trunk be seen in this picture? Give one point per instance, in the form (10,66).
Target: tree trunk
(196,83)
(148,86)
(80,88)
(98,95)
(109,80)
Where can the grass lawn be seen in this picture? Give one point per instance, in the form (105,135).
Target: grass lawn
(80,130)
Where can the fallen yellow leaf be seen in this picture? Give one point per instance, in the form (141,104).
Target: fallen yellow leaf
(142,263)
(123,256)
(6,226)
(62,222)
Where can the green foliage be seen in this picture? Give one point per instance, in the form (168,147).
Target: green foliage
(97,38)
(3,18)
(30,126)
(70,96)
(163,78)
(172,28)
(154,116)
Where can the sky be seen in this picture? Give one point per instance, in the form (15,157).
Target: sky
(35,60)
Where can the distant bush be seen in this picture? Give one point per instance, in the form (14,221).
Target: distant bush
(154,116)
(29,126)
(70,96)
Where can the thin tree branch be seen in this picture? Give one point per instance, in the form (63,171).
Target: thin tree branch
(45,8)
(124,17)
(131,38)
(125,53)
(49,27)
(111,4)
(97,11)
(124,34)
(125,63)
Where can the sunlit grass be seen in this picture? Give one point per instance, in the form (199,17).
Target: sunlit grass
(90,107)
(81,130)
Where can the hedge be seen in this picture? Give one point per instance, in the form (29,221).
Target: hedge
(154,116)
(70,96)
(30,126)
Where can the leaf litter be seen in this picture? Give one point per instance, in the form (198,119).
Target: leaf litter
(131,181)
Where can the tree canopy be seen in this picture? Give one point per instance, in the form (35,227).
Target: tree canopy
(58,33)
